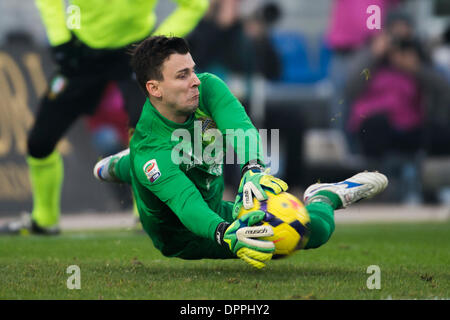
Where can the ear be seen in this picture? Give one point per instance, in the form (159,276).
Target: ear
(153,89)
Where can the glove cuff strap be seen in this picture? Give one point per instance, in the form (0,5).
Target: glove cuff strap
(220,231)
(252,165)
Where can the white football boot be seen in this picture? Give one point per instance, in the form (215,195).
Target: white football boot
(363,185)
(104,169)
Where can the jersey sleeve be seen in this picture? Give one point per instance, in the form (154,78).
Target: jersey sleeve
(54,19)
(183,19)
(232,120)
(164,179)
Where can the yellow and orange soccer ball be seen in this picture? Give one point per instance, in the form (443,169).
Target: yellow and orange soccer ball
(289,220)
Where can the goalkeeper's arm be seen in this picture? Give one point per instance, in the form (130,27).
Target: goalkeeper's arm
(232,120)
(181,195)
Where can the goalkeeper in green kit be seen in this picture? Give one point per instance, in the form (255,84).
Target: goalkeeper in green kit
(179,193)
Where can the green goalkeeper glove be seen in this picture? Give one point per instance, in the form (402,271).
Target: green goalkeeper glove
(255,182)
(239,238)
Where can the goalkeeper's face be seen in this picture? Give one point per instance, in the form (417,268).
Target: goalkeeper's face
(179,87)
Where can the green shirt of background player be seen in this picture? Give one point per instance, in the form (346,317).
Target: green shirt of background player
(115,23)
(180,203)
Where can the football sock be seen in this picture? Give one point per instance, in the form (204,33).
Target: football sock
(321,214)
(327,197)
(46,176)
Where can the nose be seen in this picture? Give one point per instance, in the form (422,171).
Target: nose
(196,81)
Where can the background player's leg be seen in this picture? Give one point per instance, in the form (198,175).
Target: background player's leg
(45,163)
(46,176)
(58,111)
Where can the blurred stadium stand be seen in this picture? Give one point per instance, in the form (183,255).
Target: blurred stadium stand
(298,103)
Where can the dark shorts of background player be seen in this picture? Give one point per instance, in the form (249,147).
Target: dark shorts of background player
(77,91)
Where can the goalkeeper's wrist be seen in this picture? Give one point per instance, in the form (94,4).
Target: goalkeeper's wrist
(252,165)
(220,231)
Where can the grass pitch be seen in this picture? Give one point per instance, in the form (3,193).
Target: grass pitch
(414,261)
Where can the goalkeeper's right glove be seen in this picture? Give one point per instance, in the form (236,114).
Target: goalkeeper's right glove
(239,238)
(255,182)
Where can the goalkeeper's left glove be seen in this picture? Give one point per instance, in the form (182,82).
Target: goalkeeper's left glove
(254,182)
(240,236)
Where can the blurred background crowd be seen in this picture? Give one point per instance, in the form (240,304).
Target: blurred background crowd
(345,95)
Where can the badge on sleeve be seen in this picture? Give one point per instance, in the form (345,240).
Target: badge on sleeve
(57,86)
(151,170)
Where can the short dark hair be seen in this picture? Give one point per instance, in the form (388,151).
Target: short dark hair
(149,56)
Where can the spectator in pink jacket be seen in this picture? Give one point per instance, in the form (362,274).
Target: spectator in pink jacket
(347,34)
(398,101)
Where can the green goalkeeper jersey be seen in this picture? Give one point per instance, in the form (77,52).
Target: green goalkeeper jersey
(178,189)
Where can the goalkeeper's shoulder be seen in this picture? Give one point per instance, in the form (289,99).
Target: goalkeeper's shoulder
(208,77)
(213,85)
